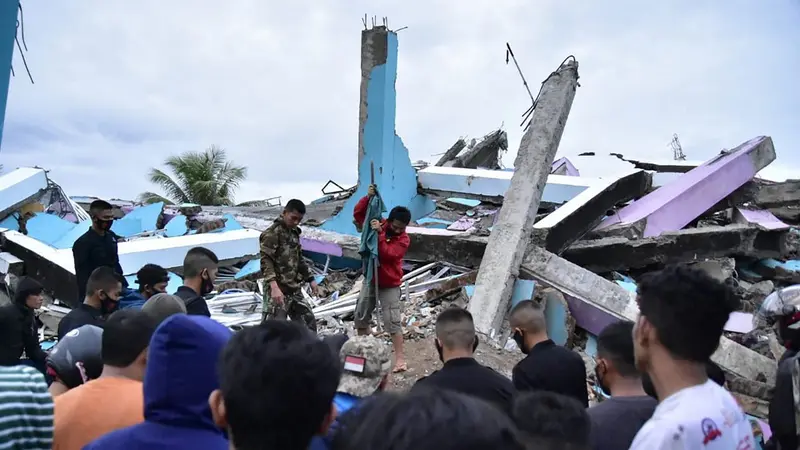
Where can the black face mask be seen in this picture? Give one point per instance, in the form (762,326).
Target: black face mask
(104,224)
(519,338)
(207,286)
(107,306)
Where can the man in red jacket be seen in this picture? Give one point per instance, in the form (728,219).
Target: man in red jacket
(392,246)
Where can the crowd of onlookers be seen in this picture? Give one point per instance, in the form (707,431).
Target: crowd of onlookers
(143,369)
(171,380)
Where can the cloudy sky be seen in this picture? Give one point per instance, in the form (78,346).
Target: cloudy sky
(122,85)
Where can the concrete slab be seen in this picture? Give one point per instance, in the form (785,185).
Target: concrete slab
(694,244)
(573,219)
(596,302)
(20,186)
(758,217)
(678,203)
(139,220)
(512,230)
(10,264)
(492,185)
(379,147)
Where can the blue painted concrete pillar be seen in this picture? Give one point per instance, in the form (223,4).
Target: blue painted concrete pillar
(8,30)
(377,142)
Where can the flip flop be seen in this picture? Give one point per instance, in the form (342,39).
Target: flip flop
(400,368)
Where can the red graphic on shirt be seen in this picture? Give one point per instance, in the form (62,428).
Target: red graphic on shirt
(745,444)
(710,431)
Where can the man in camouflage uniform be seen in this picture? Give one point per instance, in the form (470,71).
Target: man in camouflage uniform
(284,270)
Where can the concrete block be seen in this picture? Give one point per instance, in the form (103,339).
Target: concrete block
(379,147)
(21,185)
(694,244)
(492,185)
(573,219)
(10,264)
(596,302)
(511,232)
(758,217)
(678,203)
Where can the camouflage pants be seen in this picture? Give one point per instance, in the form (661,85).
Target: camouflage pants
(295,307)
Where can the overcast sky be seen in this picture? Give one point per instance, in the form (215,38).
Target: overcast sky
(122,85)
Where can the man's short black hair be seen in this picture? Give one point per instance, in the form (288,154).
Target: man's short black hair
(528,316)
(151,274)
(552,420)
(277,381)
(97,207)
(688,308)
(400,214)
(615,343)
(126,334)
(103,278)
(295,205)
(198,259)
(426,420)
(455,328)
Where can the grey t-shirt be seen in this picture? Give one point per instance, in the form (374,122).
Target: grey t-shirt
(616,421)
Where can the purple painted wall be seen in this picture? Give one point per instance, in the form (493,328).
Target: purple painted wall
(674,205)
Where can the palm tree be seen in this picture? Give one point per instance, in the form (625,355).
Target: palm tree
(204,178)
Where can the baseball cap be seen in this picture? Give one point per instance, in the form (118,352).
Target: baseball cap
(366,360)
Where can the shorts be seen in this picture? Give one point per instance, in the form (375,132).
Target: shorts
(389,299)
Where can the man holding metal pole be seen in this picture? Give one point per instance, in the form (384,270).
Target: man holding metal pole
(383,246)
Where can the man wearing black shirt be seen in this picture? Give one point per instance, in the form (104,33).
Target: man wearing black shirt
(546,367)
(97,247)
(199,272)
(456,343)
(102,296)
(616,421)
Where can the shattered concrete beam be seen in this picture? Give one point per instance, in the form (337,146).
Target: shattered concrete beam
(514,225)
(618,253)
(492,185)
(595,302)
(452,152)
(485,154)
(678,203)
(763,195)
(661,166)
(572,220)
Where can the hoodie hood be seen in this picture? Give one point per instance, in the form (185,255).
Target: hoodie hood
(131,299)
(182,373)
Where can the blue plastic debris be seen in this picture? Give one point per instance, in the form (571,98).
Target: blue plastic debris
(251,267)
(464,201)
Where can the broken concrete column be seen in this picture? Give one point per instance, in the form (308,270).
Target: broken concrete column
(512,231)
(596,302)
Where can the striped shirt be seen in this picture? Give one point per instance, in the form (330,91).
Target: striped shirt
(26,410)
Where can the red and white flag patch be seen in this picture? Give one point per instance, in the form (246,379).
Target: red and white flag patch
(354,364)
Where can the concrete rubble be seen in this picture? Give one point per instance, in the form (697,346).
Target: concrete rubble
(482,237)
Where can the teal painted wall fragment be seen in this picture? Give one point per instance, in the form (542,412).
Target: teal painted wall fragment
(381,147)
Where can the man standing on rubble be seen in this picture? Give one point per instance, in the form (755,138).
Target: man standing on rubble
(97,247)
(284,269)
(392,243)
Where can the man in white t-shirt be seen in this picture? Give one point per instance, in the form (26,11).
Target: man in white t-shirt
(682,311)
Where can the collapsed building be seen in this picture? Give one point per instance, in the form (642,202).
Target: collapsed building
(482,236)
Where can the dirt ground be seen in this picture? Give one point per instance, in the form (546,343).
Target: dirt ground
(423,360)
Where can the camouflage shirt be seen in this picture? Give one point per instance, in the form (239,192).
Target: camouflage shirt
(281,258)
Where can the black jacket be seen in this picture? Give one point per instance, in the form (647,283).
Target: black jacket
(468,376)
(18,333)
(195,303)
(91,251)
